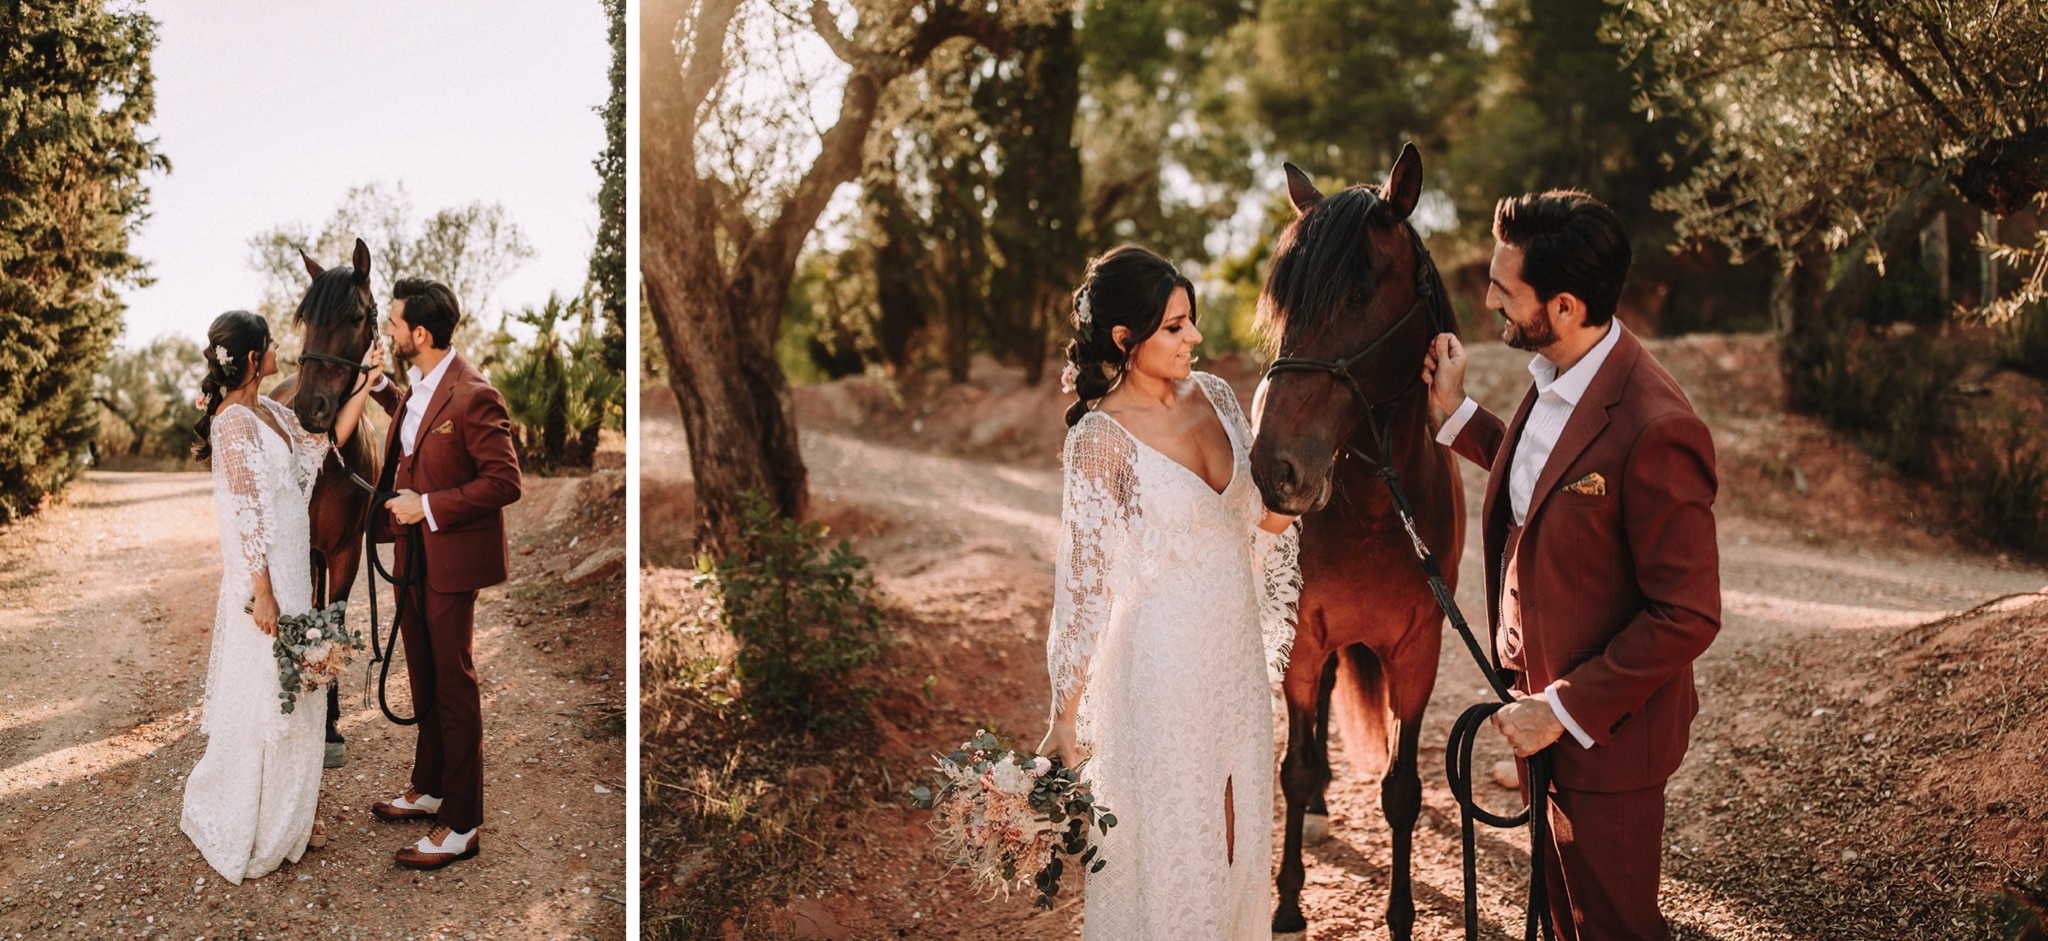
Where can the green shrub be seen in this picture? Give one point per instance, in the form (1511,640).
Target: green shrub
(2005,476)
(559,394)
(806,621)
(1893,393)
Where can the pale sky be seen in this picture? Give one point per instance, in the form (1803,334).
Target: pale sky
(270,112)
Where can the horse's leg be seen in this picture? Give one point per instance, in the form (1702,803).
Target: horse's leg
(1303,775)
(1315,825)
(340,576)
(1412,675)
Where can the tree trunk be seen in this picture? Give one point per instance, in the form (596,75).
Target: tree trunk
(735,407)
(585,452)
(716,283)
(1805,334)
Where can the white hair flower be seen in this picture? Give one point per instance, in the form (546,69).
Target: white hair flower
(1082,314)
(1067,377)
(220,354)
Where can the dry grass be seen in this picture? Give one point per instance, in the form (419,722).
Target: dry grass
(735,814)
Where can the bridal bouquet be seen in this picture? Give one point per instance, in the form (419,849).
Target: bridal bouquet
(1004,814)
(312,650)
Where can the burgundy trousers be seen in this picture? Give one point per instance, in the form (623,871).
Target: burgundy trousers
(1601,868)
(448,759)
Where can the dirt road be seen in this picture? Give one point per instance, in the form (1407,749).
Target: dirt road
(964,546)
(106,613)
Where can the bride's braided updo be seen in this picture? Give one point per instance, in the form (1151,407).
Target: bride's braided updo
(235,345)
(1128,287)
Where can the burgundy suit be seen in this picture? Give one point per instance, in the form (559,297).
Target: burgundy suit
(1611,596)
(464,464)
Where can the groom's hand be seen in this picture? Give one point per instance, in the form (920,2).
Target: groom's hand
(1529,724)
(406,508)
(1443,371)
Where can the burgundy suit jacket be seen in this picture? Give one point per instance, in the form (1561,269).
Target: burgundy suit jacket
(1620,592)
(466,467)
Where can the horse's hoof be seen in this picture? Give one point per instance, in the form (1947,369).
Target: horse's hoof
(337,755)
(1315,828)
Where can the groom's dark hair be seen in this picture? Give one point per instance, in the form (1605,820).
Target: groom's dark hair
(431,305)
(1571,243)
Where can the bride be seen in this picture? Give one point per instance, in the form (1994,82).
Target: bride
(249,803)
(1173,596)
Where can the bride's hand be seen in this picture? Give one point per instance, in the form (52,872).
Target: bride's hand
(265,609)
(374,356)
(1063,743)
(1276,523)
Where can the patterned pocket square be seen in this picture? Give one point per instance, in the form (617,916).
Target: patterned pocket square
(445,428)
(1591,485)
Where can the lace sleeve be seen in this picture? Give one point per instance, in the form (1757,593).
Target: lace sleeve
(238,473)
(1099,496)
(1276,564)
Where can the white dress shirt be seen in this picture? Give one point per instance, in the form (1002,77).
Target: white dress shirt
(1556,397)
(416,403)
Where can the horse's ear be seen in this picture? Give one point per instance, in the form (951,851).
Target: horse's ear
(312,267)
(1300,191)
(1404,182)
(361,261)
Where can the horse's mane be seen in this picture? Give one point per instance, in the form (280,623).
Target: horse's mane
(1317,264)
(332,298)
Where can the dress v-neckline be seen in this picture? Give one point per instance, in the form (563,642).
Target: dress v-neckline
(1228,435)
(289,449)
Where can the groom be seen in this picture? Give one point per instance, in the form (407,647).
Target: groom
(1603,579)
(450,458)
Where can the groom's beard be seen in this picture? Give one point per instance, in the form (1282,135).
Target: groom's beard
(404,350)
(1528,337)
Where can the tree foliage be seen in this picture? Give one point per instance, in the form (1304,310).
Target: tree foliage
(75,90)
(148,392)
(608,257)
(733,186)
(1828,116)
(559,393)
(471,248)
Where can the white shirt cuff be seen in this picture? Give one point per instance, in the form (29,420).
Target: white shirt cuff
(428,509)
(1564,718)
(1456,423)
(379,381)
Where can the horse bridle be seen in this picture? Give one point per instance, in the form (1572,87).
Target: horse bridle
(1340,369)
(361,369)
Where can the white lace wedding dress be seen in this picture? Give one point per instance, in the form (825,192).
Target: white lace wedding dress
(1172,611)
(249,801)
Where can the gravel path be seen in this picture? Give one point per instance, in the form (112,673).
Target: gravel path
(106,609)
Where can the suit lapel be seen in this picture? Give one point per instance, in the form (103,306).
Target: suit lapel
(458,370)
(1589,417)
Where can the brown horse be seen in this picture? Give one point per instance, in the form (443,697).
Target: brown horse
(339,317)
(1355,302)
